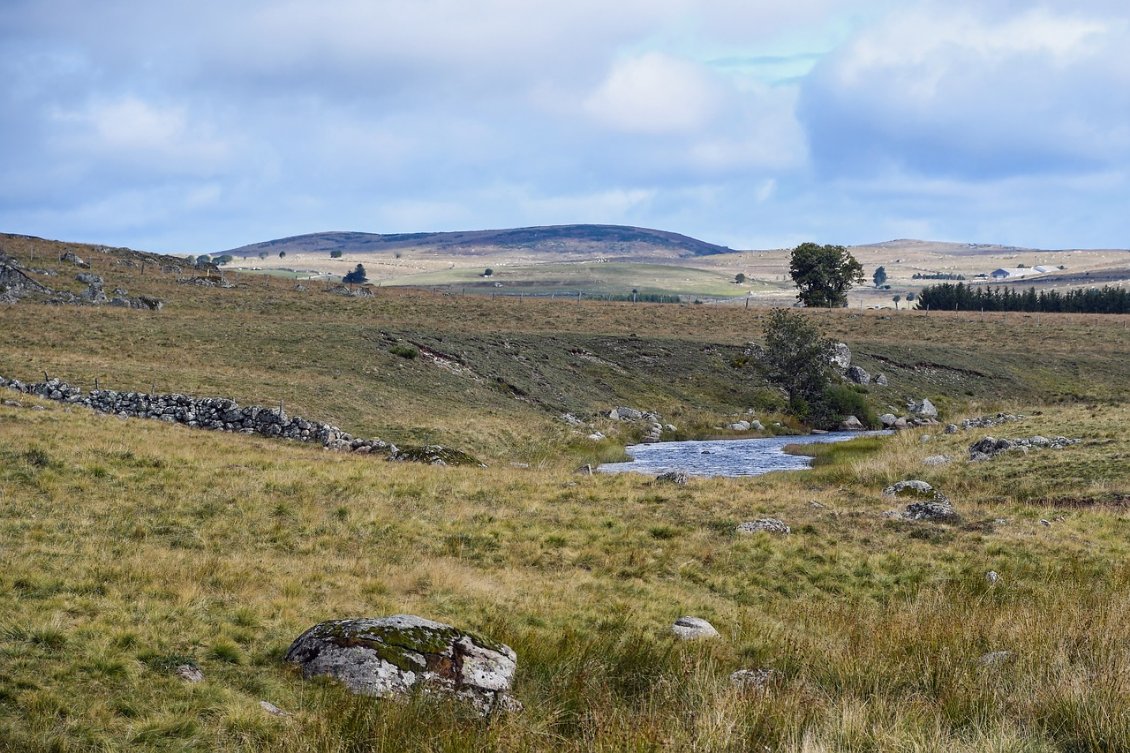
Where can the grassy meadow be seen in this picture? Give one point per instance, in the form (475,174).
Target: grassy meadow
(128,547)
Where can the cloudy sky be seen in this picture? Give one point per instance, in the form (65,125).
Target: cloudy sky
(203,125)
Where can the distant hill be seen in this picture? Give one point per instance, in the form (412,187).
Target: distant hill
(607,240)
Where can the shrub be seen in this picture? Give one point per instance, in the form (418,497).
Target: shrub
(404,351)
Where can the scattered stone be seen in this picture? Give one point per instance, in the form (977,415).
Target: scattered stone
(888,420)
(433,454)
(596,436)
(995,658)
(189,673)
(989,447)
(739,426)
(858,375)
(764,525)
(992,577)
(392,656)
(625,414)
(951,428)
(674,477)
(985,422)
(841,356)
(13,403)
(693,628)
(935,460)
(73,258)
(881,379)
(754,679)
(851,423)
(1045,522)
(272,709)
(572,420)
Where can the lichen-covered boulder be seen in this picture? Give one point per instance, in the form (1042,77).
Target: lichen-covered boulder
(930,504)
(392,656)
(763,525)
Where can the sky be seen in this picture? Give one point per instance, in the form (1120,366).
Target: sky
(206,125)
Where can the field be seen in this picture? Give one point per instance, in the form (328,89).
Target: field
(128,547)
(705,277)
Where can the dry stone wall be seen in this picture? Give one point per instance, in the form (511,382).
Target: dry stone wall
(215,413)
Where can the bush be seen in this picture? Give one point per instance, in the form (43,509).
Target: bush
(842,400)
(404,351)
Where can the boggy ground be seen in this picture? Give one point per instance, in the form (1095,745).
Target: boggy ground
(128,547)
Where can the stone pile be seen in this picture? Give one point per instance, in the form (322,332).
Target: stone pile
(928,503)
(985,422)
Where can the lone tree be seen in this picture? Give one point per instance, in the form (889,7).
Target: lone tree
(896,299)
(739,278)
(356,277)
(488,272)
(335,254)
(824,274)
(880,276)
(798,358)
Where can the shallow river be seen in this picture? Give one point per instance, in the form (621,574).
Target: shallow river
(725,457)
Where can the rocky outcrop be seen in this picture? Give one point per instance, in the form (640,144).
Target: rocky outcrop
(922,408)
(393,656)
(15,284)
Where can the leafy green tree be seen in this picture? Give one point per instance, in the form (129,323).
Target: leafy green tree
(896,299)
(824,274)
(356,277)
(880,276)
(798,358)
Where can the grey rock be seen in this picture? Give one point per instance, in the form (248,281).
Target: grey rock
(929,504)
(841,356)
(992,577)
(754,679)
(995,658)
(674,477)
(888,420)
(923,408)
(764,525)
(189,673)
(935,460)
(881,379)
(858,375)
(693,628)
(951,428)
(625,414)
(392,656)
(851,423)
(739,426)
(89,278)
(272,709)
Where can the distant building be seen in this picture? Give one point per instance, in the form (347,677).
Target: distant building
(1018,272)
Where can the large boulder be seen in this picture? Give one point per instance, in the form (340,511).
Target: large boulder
(851,423)
(392,656)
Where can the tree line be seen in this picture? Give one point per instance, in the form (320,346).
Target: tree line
(961,297)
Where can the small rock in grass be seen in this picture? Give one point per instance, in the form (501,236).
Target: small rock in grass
(754,679)
(995,658)
(693,628)
(935,460)
(764,525)
(272,709)
(992,577)
(189,673)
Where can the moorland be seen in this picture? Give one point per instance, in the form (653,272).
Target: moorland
(129,547)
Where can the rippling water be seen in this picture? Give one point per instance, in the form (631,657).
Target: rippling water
(725,457)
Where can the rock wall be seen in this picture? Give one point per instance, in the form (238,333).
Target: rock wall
(215,413)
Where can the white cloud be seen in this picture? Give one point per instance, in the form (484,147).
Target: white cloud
(968,92)
(656,93)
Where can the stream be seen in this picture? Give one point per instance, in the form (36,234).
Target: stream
(726,457)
